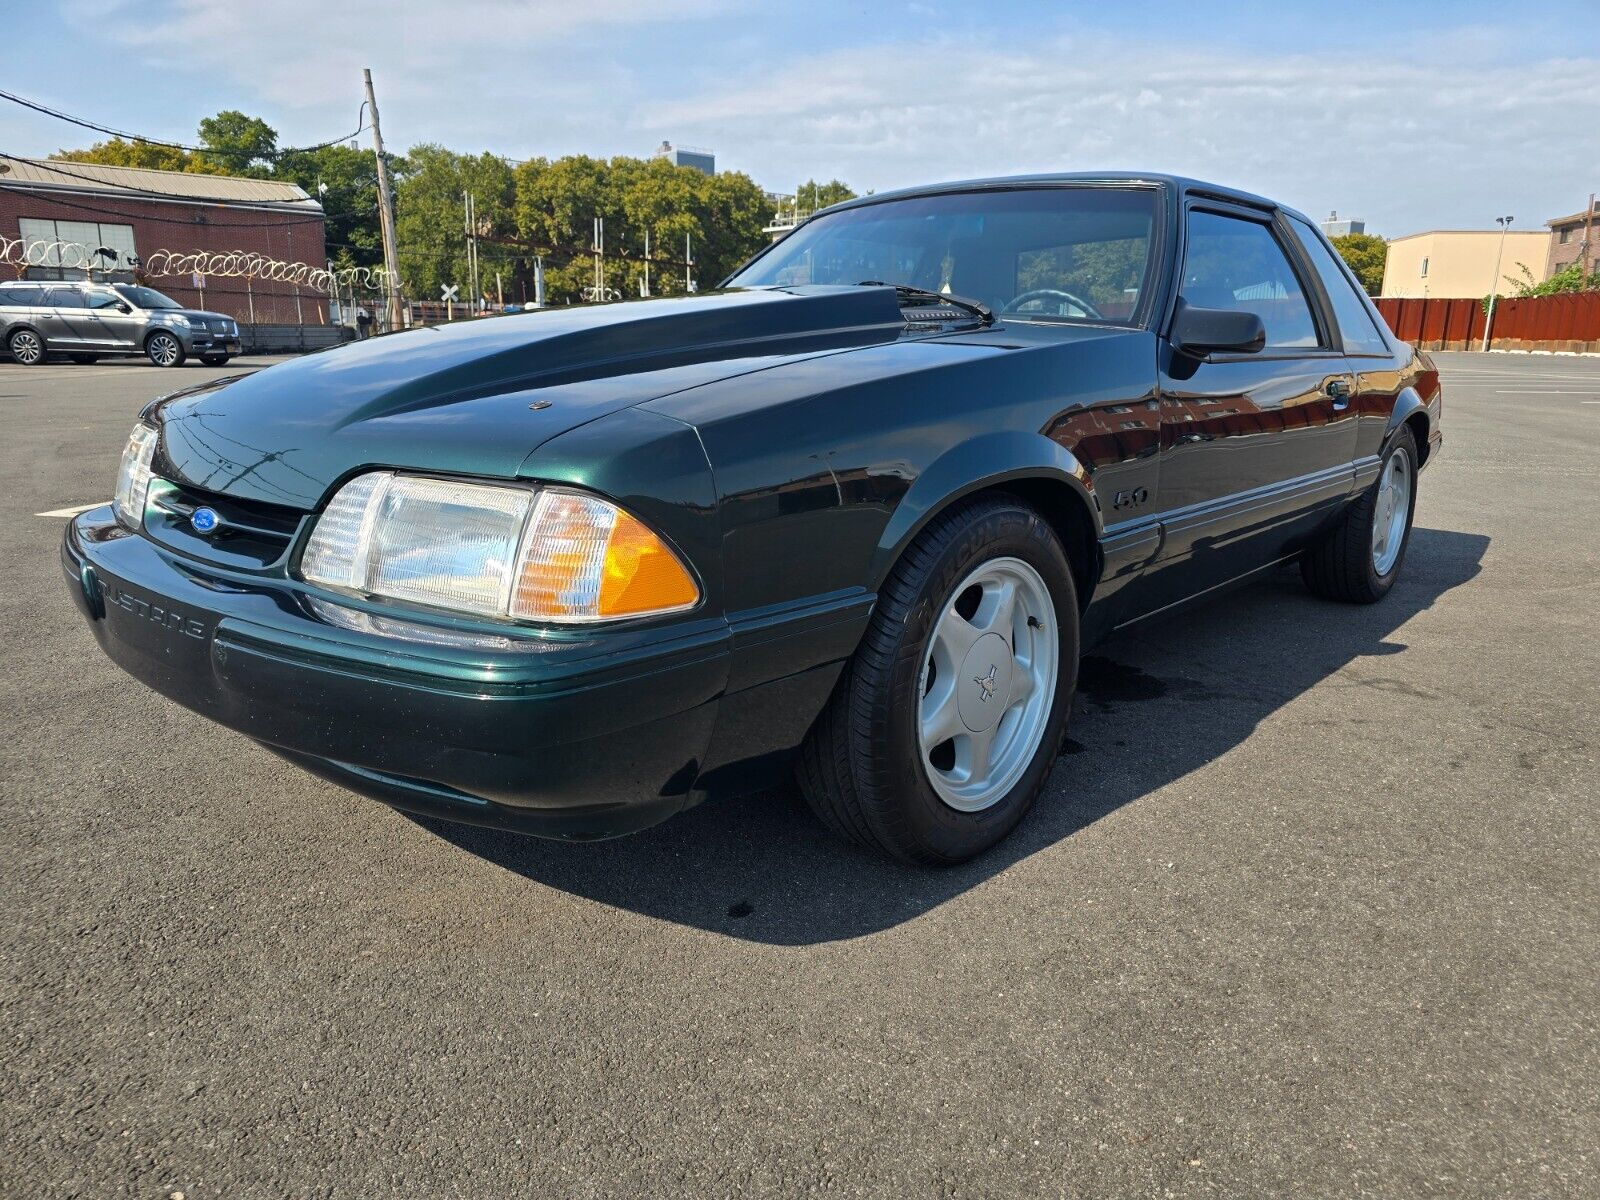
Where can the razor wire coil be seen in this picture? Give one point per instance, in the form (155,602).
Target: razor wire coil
(217,264)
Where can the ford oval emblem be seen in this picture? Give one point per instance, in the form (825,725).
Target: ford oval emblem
(204,520)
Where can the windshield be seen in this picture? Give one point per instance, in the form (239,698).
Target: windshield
(143,297)
(1075,253)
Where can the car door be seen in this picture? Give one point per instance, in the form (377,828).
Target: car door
(115,325)
(1255,447)
(1371,350)
(66,320)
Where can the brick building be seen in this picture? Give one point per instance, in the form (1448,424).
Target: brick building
(1567,236)
(127,216)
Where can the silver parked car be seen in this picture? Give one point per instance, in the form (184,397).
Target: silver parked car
(86,320)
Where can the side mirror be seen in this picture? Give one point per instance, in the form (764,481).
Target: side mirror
(123,308)
(1201,331)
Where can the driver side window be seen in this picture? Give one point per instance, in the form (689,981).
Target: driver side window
(1232,263)
(104,299)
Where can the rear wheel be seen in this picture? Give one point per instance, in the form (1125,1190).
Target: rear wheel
(27,347)
(944,726)
(214,360)
(1360,558)
(164,349)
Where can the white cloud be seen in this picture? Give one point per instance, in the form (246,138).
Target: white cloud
(1407,141)
(1407,135)
(307,53)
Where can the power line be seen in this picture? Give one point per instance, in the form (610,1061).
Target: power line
(137,137)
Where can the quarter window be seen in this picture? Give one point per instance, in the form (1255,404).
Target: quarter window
(19,297)
(1231,263)
(1357,326)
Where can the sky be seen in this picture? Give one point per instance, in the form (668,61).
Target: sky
(1409,115)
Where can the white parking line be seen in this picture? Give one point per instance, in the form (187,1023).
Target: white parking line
(73,511)
(1541,392)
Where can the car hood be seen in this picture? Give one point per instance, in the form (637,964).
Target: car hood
(477,397)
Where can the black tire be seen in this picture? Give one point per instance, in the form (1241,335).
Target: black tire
(164,349)
(861,766)
(1341,566)
(84,358)
(214,360)
(27,348)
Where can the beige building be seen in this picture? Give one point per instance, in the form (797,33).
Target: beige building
(1459,264)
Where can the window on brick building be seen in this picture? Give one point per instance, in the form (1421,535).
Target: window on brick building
(90,234)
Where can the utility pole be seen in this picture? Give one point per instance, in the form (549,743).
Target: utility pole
(1494,284)
(1587,248)
(469,204)
(391,256)
(688,262)
(646,292)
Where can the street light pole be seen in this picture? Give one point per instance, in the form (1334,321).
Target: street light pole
(1494,284)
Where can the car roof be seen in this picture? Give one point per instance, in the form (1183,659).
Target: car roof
(1181,184)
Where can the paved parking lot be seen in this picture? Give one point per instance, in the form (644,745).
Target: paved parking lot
(1311,907)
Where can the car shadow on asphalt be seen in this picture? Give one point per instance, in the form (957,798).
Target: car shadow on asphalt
(1154,704)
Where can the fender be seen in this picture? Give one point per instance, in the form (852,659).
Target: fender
(1405,404)
(978,463)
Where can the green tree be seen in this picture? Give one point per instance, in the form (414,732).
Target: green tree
(813,195)
(345,180)
(239,145)
(1569,279)
(556,204)
(119,153)
(430,222)
(1365,255)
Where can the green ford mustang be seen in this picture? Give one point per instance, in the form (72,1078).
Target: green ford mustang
(854,515)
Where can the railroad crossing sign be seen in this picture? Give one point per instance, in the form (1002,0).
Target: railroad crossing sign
(448,292)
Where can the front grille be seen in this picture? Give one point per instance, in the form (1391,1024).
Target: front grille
(248,533)
(218,326)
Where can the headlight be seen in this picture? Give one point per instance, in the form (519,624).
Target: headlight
(133,476)
(495,551)
(174,319)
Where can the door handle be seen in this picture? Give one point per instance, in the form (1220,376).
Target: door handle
(1338,390)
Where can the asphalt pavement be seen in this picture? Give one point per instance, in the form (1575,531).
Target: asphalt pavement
(1311,907)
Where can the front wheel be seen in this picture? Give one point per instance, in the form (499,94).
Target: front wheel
(1359,559)
(944,726)
(27,347)
(164,350)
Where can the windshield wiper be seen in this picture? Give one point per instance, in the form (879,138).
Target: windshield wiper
(976,307)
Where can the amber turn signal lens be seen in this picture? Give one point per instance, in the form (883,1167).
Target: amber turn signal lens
(584,559)
(640,574)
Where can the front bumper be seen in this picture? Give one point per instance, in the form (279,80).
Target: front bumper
(582,736)
(203,341)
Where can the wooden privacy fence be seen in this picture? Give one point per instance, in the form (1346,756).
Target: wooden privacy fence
(1567,322)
